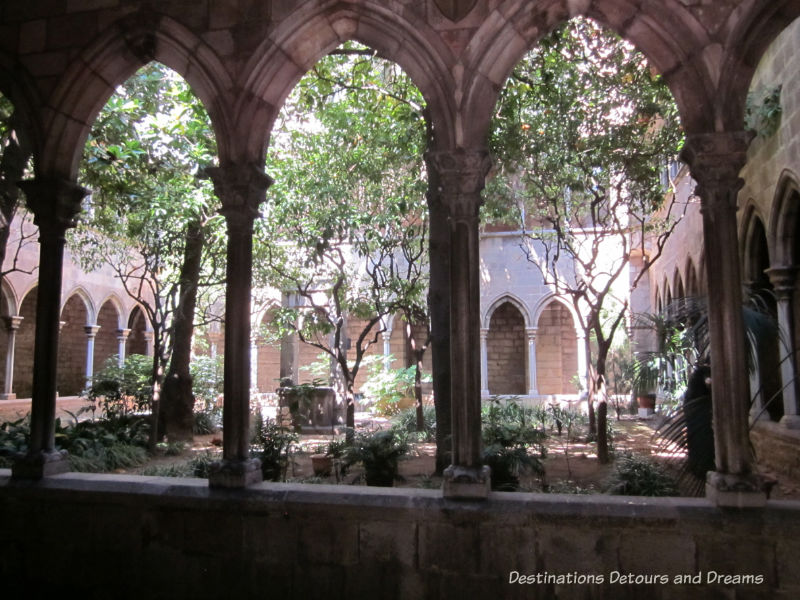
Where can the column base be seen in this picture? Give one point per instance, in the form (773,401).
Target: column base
(735,491)
(467,483)
(533,392)
(787,421)
(40,464)
(11,396)
(235,473)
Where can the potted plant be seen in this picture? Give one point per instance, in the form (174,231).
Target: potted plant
(645,382)
(321,462)
(379,453)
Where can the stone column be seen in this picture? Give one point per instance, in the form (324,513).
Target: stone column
(387,349)
(91,335)
(580,338)
(254,364)
(122,340)
(290,345)
(532,386)
(461,176)
(149,340)
(241,188)
(12,325)
(715,160)
(783,280)
(484,363)
(55,204)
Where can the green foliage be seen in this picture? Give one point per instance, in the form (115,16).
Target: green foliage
(636,475)
(207,378)
(379,452)
(385,388)
(14,439)
(406,421)
(273,445)
(123,390)
(509,433)
(300,400)
(197,466)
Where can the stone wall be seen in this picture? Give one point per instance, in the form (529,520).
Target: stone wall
(776,448)
(506,350)
(98,536)
(556,351)
(72,348)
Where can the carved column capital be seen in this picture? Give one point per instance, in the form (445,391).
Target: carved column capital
(13,322)
(484,333)
(715,160)
(531,333)
(91,330)
(122,334)
(55,203)
(241,189)
(783,279)
(461,175)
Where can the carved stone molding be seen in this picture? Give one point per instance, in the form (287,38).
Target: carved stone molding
(455,10)
(461,175)
(55,203)
(715,160)
(241,189)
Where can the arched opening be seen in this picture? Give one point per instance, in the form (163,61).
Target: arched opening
(556,350)
(106,341)
(23,354)
(72,347)
(269,355)
(137,341)
(768,392)
(506,351)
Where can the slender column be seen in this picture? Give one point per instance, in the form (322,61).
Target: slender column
(290,347)
(387,349)
(241,188)
(461,176)
(149,341)
(783,280)
(532,385)
(122,340)
(12,325)
(91,335)
(484,363)
(254,364)
(715,160)
(582,367)
(54,203)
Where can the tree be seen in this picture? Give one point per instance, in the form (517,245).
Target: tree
(348,205)
(583,129)
(152,215)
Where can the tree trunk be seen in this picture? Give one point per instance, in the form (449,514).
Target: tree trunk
(439,310)
(599,393)
(177,399)
(418,390)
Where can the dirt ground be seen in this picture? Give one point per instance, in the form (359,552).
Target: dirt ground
(567,465)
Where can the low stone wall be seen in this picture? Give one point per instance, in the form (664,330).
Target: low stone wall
(103,536)
(777,448)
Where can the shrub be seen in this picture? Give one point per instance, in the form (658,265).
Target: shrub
(636,475)
(386,388)
(273,445)
(406,421)
(379,452)
(123,390)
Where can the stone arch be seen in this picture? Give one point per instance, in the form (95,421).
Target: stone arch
(512,299)
(669,36)
(506,350)
(756,260)
(545,301)
(677,285)
(8,298)
(76,315)
(85,297)
(316,28)
(785,221)
(23,353)
(268,371)
(115,56)
(137,323)
(692,282)
(556,348)
(106,343)
(17,85)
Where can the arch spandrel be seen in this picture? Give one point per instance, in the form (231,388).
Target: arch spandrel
(784,221)
(115,56)
(312,31)
(17,85)
(515,302)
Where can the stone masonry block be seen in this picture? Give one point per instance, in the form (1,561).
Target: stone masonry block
(585,550)
(449,546)
(271,540)
(649,553)
(388,542)
(755,557)
(505,549)
(330,541)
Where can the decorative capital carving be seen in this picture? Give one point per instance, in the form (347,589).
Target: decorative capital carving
(531,333)
(241,188)
(461,175)
(91,330)
(55,203)
(783,279)
(13,322)
(715,160)
(122,334)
